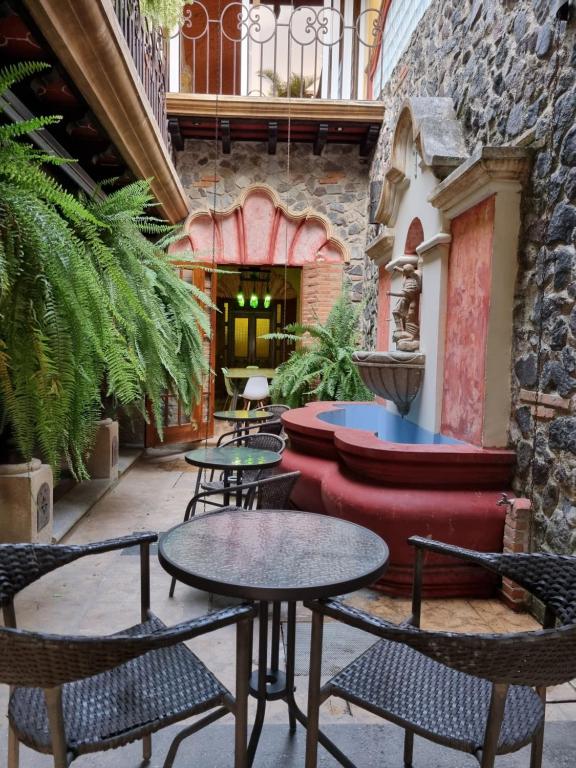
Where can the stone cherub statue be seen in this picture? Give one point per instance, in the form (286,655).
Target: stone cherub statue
(406,313)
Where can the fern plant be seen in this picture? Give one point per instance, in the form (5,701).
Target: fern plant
(163,13)
(321,369)
(85,298)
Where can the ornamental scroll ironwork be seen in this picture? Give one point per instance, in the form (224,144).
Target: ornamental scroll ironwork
(265,50)
(146,45)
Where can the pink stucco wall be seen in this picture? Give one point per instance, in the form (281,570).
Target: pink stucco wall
(382,332)
(469,279)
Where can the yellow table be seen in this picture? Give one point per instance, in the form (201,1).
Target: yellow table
(236,374)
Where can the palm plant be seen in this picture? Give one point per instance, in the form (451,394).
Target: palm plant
(85,298)
(297,86)
(321,369)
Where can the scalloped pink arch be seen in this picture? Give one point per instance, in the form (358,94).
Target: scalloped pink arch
(259,230)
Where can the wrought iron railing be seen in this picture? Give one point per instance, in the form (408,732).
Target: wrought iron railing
(147,47)
(251,49)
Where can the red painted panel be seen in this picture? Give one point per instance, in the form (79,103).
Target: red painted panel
(469,279)
(382,331)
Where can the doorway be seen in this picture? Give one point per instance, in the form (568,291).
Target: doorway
(241,325)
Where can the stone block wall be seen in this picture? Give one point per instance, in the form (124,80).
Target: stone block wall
(334,184)
(510,69)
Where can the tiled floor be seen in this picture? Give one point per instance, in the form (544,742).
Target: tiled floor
(100,594)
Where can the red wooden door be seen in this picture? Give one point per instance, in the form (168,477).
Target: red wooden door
(179,425)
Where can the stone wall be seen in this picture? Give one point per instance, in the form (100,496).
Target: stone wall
(510,69)
(334,184)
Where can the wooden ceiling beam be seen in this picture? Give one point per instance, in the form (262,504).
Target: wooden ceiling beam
(274,108)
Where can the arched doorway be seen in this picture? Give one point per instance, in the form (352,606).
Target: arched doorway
(303,266)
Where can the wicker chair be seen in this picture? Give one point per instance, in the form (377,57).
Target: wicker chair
(265,493)
(71,695)
(482,694)
(272,427)
(263,441)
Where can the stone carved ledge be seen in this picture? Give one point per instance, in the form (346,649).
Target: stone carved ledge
(483,175)
(431,124)
(380,248)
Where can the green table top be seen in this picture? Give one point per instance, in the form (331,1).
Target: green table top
(233,457)
(240,415)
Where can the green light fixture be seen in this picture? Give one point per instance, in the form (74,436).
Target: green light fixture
(267,301)
(254,301)
(240,299)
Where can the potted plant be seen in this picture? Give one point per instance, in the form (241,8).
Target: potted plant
(322,368)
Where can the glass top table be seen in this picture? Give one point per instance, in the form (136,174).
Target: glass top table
(273,556)
(243,416)
(231,459)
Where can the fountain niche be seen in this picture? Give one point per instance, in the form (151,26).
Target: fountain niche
(430,456)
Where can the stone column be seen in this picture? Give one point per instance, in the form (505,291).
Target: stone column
(26,502)
(102,463)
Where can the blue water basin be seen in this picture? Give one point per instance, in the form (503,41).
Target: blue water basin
(384,424)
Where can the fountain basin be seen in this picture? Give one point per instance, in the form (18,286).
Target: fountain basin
(437,487)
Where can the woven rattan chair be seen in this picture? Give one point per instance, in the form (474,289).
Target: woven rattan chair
(265,493)
(272,427)
(263,441)
(482,694)
(72,695)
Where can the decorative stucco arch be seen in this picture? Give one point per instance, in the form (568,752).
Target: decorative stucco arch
(259,230)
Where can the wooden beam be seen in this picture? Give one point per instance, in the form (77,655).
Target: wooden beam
(225,134)
(272,137)
(177,139)
(86,36)
(274,108)
(370,140)
(320,140)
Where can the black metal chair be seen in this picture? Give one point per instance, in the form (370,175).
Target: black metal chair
(71,695)
(479,693)
(264,493)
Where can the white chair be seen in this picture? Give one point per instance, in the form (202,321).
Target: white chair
(255,392)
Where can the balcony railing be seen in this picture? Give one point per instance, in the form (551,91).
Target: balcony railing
(248,49)
(147,47)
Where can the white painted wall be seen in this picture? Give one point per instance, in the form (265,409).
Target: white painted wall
(426,408)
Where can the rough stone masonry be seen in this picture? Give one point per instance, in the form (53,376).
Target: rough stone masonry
(334,184)
(510,68)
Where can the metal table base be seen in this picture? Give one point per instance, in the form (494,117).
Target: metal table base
(270,683)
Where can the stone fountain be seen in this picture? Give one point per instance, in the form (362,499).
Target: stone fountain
(397,375)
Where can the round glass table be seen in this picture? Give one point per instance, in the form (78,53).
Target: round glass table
(274,556)
(231,459)
(243,416)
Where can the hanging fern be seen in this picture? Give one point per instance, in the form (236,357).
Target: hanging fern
(85,299)
(163,13)
(321,369)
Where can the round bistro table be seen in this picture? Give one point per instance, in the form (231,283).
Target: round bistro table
(233,458)
(274,556)
(242,419)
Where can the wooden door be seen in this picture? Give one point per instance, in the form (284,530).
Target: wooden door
(180,426)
